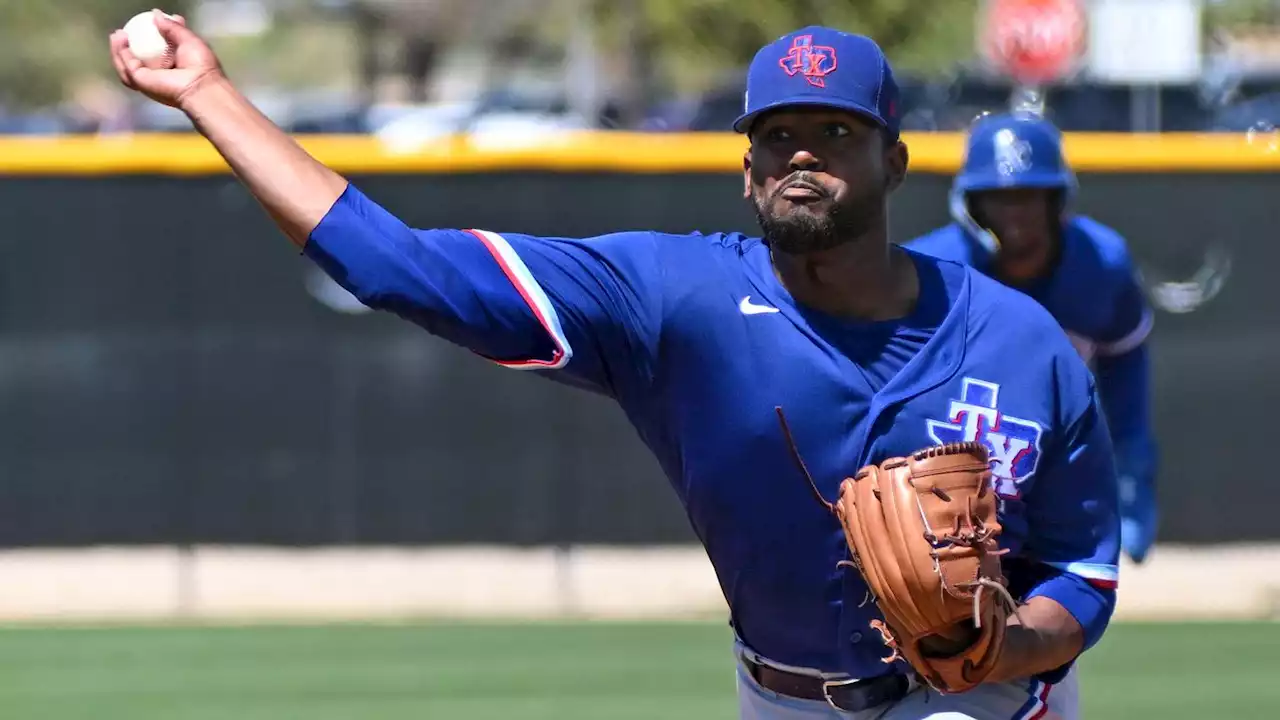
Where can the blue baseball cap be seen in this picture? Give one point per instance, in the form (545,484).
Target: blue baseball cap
(819,66)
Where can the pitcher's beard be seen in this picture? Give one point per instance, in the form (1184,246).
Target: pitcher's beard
(803,231)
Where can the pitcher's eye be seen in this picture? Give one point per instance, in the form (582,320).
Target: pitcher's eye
(837,129)
(778,134)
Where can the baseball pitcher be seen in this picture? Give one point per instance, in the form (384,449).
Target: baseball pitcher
(898,467)
(1012,221)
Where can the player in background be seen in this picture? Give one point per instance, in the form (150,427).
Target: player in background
(876,351)
(1011,205)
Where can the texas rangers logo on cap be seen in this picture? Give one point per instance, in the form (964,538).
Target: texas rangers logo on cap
(815,62)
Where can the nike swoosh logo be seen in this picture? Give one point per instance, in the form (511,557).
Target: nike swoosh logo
(749,308)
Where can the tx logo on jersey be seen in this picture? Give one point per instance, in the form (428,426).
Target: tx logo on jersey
(1014,443)
(815,62)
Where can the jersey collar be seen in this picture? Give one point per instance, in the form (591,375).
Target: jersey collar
(936,363)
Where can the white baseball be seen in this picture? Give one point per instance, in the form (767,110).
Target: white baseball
(146,42)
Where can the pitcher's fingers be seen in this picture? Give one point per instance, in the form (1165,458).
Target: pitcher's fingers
(121,72)
(131,62)
(179,19)
(172,30)
(120,42)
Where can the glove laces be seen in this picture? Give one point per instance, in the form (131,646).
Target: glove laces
(804,470)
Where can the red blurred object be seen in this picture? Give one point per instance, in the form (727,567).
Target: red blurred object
(1033,41)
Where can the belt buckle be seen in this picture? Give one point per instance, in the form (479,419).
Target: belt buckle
(826,690)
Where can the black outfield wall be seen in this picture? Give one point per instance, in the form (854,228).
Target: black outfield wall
(178,376)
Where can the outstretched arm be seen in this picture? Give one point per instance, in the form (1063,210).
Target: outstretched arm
(294,188)
(590,307)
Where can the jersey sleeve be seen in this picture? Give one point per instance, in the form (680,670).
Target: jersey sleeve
(1074,525)
(584,309)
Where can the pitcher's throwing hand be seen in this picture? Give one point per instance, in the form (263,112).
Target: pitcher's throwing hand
(194,63)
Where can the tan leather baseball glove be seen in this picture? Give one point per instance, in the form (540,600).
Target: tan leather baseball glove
(923,532)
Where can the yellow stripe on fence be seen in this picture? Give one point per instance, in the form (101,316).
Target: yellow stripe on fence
(612,152)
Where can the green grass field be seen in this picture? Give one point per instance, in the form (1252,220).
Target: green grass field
(534,671)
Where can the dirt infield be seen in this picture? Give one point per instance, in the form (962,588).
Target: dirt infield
(250,584)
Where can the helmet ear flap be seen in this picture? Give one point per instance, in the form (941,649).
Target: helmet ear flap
(975,212)
(959,204)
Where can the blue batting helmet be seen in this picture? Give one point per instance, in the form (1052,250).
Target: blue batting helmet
(1005,151)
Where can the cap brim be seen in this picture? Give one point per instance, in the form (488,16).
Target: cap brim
(742,124)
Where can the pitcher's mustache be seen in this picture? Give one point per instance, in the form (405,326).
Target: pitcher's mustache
(800,180)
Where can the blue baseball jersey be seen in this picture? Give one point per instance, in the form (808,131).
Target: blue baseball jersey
(698,342)
(1095,295)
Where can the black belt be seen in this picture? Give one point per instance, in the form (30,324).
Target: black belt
(846,695)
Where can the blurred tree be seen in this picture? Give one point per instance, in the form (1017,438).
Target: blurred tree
(45,44)
(422,30)
(690,45)
(1235,14)
(696,41)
